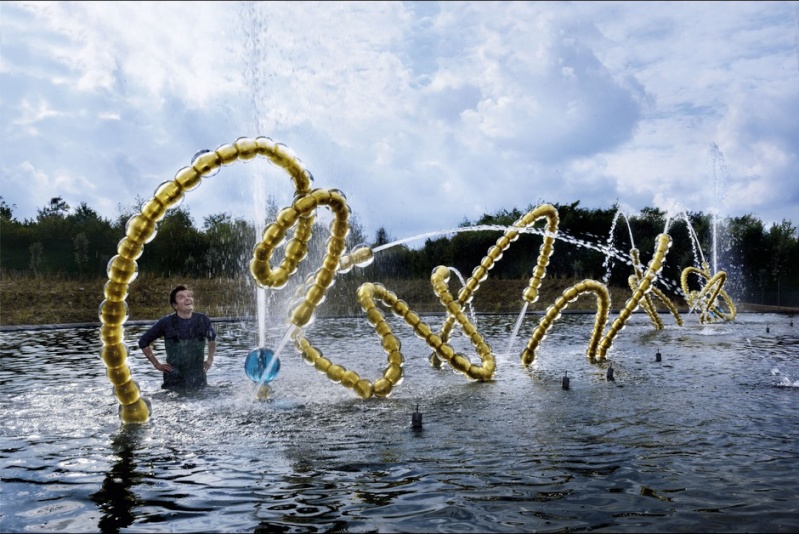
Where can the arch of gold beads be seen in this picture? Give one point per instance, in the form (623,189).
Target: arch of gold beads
(707,298)
(647,303)
(299,219)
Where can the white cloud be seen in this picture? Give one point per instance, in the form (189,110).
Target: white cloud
(422,113)
(30,188)
(33,114)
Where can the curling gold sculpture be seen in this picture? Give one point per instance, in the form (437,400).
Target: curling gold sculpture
(707,298)
(299,217)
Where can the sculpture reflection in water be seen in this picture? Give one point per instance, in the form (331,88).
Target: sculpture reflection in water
(115,497)
(298,221)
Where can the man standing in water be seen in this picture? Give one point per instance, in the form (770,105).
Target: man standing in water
(185,333)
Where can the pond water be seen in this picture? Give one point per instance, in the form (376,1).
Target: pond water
(704,440)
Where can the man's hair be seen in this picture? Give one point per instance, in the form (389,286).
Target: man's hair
(173,294)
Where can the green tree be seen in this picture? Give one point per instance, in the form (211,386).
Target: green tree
(176,246)
(101,238)
(50,229)
(57,208)
(749,253)
(36,250)
(781,243)
(6,211)
(14,240)
(759,259)
(357,236)
(381,237)
(81,243)
(229,245)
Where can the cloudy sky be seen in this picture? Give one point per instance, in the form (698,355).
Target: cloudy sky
(423,114)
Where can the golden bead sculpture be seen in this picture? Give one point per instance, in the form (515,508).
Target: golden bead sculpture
(647,303)
(707,299)
(298,220)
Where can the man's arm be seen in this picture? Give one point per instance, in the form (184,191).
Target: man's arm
(156,331)
(209,361)
(148,351)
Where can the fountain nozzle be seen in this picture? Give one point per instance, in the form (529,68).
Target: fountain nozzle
(416,418)
(565,383)
(610,374)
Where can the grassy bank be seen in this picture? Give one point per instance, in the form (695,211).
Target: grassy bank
(30,300)
(39,300)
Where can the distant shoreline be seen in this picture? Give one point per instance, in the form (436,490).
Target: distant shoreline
(30,303)
(741,309)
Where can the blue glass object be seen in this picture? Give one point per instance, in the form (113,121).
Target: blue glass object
(261,365)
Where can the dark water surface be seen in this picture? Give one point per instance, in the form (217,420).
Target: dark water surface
(705,440)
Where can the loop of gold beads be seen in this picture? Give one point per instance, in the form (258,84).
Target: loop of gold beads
(141,229)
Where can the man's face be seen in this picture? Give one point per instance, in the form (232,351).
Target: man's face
(184,301)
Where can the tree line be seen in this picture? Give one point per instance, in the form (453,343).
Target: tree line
(77,242)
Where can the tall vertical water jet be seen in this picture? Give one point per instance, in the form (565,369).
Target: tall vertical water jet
(254,30)
(718,173)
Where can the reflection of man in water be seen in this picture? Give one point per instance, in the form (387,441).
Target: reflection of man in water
(184,333)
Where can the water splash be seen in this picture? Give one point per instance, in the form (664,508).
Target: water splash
(785,380)
(516,328)
(448,232)
(696,246)
(608,250)
(609,257)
